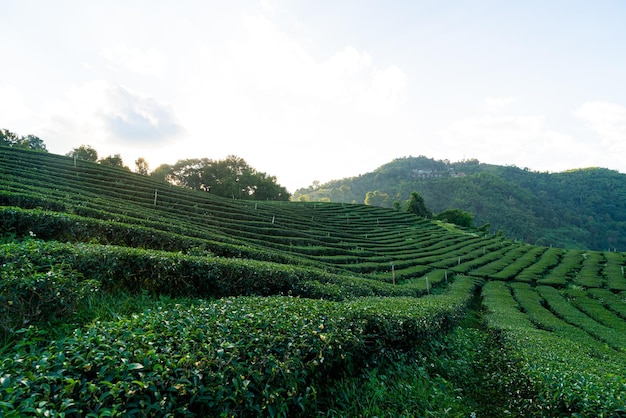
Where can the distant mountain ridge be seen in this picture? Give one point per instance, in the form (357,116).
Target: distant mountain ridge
(582,208)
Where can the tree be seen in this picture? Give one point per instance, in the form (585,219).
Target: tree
(113,161)
(376,198)
(8,138)
(85,153)
(32,142)
(11,139)
(142,166)
(231,177)
(417,206)
(162,172)
(456,216)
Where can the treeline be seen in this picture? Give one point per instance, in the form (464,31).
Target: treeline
(584,208)
(11,139)
(232,177)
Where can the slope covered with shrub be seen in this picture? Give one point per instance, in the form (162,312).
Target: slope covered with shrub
(125,296)
(577,209)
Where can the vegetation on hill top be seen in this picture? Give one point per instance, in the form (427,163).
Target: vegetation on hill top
(123,295)
(583,208)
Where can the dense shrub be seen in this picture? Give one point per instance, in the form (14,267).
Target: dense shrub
(176,274)
(31,294)
(244,356)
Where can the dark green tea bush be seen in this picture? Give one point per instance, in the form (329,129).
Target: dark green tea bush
(29,294)
(243,356)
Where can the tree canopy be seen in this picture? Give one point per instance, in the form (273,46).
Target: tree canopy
(11,139)
(232,177)
(583,208)
(417,206)
(85,153)
(113,161)
(456,216)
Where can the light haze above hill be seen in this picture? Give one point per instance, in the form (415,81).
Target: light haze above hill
(320,90)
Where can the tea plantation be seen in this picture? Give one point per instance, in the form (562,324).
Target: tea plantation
(124,296)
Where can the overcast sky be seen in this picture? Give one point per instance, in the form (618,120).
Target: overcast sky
(324,89)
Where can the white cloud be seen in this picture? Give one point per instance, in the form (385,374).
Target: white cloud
(149,62)
(522,140)
(498,104)
(266,98)
(607,119)
(109,117)
(12,106)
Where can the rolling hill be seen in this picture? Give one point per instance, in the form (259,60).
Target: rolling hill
(576,209)
(124,296)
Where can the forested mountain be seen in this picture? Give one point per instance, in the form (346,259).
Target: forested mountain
(583,208)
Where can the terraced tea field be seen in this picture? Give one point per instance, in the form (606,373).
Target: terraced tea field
(273,308)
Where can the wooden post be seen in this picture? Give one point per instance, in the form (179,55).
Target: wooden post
(393,273)
(459,260)
(256,205)
(156,192)
(74,161)
(273,218)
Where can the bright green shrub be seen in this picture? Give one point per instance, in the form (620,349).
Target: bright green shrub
(553,374)
(30,294)
(176,274)
(244,356)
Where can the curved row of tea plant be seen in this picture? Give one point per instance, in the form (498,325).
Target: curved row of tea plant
(235,356)
(552,375)
(179,275)
(108,232)
(91,198)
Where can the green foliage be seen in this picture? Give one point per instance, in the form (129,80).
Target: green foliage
(113,161)
(235,356)
(231,177)
(456,216)
(376,198)
(84,153)
(308,320)
(417,206)
(577,209)
(142,166)
(11,139)
(552,375)
(31,294)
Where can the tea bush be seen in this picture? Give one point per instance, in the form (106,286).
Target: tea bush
(31,294)
(176,274)
(243,356)
(554,375)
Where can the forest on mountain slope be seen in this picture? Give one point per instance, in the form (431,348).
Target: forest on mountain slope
(577,209)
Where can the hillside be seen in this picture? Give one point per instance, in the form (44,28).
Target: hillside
(124,296)
(576,209)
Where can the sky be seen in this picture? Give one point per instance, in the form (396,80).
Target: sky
(320,90)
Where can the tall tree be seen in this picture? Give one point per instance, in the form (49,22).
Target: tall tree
(32,142)
(113,161)
(417,206)
(85,153)
(231,177)
(11,139)
(162,172)
(141,166)
(8,138)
